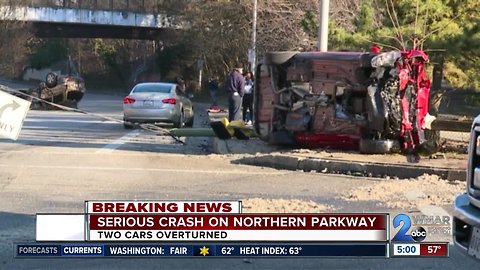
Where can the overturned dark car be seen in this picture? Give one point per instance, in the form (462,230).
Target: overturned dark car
(66,90)
(375,103)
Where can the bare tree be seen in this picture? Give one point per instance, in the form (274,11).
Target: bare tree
(14,37)
(280,25)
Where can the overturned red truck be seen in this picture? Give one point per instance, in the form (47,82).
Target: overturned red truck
(372,102)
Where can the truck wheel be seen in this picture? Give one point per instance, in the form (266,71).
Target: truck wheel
(283,138)
(432,142)
(369,146)
(51,80)
(393,108)
(278,58)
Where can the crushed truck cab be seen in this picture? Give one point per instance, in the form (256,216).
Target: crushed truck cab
(375,103)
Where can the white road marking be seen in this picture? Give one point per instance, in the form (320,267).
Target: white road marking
(41,150)
(413,195)
(428,210)
(432,210)
(77,121)
(91,168)
(118,142)
(167,147)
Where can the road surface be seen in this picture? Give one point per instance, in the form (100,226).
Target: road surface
(64,158)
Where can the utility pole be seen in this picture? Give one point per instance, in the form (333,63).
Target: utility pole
(200,63)
(252,54)
(323,29)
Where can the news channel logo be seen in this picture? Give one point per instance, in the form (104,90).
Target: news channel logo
(421,226)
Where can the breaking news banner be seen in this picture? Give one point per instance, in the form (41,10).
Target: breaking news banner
(74,227)
(370,250)
(238,227)
(220,229)
(158,207)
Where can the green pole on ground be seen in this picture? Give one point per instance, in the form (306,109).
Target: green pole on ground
(195,132)
(192,132)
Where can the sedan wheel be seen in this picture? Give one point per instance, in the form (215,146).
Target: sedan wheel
(127,125)
(190,122)
(180,122)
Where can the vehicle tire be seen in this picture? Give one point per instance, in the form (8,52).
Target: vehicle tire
(190,122)
(370,146)
(181,121)
(51,80)
(278,58)
(282,138)
(36,104)
(432,142)
(73,104)
(127,125)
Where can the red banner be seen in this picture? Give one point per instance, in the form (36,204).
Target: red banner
(239,222)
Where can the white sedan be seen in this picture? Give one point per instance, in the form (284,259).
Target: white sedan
(157,103)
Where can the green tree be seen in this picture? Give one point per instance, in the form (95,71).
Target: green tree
(366,19)
(110,56)
(50,52)
(429,25)
(106,52)
(310,23)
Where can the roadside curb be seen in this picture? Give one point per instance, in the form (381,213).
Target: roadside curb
(337,166)
(220,146)
(369,169)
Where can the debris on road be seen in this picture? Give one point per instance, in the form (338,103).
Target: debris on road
(429,190)
(259,205)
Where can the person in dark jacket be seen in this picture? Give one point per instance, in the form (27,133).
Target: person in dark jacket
(235,85)
(181,86)
(247,102)
(213,88)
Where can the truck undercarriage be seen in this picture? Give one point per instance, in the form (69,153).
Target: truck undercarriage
(374,103)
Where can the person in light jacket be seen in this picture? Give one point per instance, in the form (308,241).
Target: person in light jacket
(248,99)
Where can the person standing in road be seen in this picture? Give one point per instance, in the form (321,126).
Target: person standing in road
(247,102)
(181,86)
(235,85)
(213,88)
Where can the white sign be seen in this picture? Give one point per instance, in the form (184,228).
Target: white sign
(251,55)
(62,227)
(13,111)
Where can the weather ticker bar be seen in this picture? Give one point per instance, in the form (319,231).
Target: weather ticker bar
(371,250)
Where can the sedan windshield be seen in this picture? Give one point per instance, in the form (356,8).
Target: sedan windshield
(152,88)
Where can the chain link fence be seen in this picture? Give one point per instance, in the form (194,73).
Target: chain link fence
(457,109)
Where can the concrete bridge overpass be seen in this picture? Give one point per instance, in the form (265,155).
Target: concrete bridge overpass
(98,19)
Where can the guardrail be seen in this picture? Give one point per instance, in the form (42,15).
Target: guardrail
(458,125)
